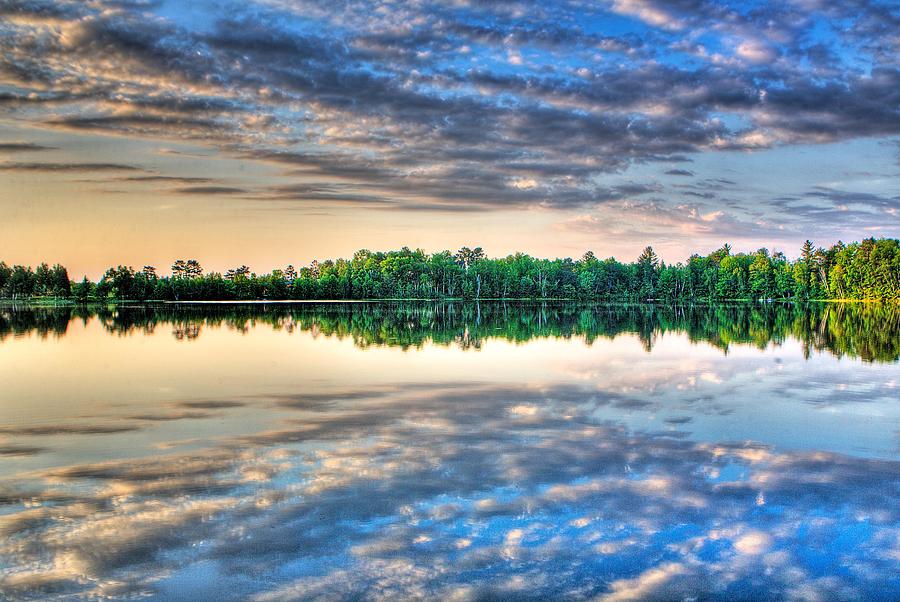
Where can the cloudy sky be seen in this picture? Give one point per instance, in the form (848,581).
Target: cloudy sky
(274,131)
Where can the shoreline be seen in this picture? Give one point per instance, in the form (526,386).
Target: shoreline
(50,303)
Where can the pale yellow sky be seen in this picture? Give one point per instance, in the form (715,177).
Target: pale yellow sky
(99,217)
(90,221)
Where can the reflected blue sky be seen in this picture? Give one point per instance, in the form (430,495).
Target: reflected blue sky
(272,465)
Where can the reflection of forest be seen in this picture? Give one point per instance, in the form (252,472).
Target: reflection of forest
(868,331)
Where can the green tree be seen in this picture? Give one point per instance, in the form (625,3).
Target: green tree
(83,291)
(648,273)
(762,276)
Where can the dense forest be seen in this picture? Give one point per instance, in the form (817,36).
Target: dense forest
(868,331)
(861,270)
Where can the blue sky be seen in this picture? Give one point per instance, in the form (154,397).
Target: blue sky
(275,131)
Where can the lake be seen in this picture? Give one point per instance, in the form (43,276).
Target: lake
(450,451)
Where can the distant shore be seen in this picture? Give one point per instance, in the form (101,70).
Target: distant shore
(866,270)
(678,302)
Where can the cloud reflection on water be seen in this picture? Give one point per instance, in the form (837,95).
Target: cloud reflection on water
(458,491)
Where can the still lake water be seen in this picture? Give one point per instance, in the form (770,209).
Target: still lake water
(489,451)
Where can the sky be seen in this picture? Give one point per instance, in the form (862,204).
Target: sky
(268,132)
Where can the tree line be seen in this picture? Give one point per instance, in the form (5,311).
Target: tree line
(869,269)
(867,331)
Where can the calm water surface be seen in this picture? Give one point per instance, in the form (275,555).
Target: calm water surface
(497,451)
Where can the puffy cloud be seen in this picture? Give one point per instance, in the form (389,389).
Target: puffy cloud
(210,190)
(67,167)
(23,147)
(649,584)
(391,103)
